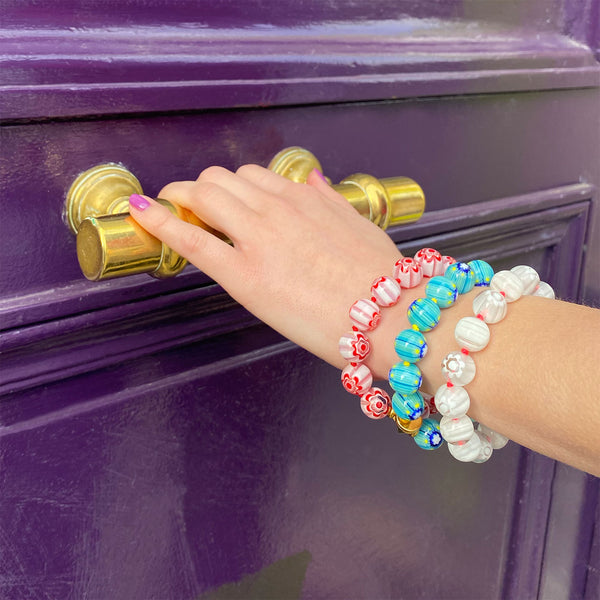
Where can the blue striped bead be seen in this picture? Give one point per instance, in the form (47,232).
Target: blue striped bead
(410,345)
(429,436)
(441,290)
(483,272)
(424,314)
(408,407)
(462,276)
(405,378)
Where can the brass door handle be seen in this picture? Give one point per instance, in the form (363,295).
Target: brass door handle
(111,244)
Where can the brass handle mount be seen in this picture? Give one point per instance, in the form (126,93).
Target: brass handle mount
(111,244)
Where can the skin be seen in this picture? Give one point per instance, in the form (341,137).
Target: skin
(301,255)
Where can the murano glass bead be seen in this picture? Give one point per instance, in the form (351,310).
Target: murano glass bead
(472,334)
(405,378)
(468,451)
(375,403)
(408,407)
(490,305)
(424,314)
(452,401)
(407,272)
(430,261)
(446,262)
(442,291)
(429,436)
(486,449)
(354,346)
(357,378)
(528,276)
(456,429)
(365,315)
(410,345)
(385,291)
(497,440)
(544,291)
(507,283)
(458,368)
(462,276)
(483,272)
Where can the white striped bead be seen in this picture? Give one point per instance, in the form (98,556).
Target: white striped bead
(456,429)
(365,315)
(544,291)
(472,333)
(528,276)
(385,291)
(490,305)
(467,451)
(509,284)
(486,449)
(497,440)
(452,401)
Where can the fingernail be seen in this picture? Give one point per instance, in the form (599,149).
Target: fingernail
(138,202)
(320,175)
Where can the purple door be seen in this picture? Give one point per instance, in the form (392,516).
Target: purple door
(157,441)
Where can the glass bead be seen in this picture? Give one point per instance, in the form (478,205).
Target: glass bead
(407,272)
(354,346)
(544,291)
(456,429)
(430,261)
(442,291)
(385,291)
(408,407)
(452,401)
(429,436)
(483,272)
(424,314)
(405,378)
(410,345)
(458,368)
(462,276)
(375,403)
(365,315)
(429,407)
(357,378)
(507,283)
(472,333)
(467,451)
(528,276)
(490,305)
(446,262)
(486,449)
(497,440)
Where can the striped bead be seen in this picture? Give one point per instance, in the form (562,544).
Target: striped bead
(410,345)
(357,378)
(490,305)
(429,436)
(385,291)
(508,284)
(430,261)
(452,401)
(486,449)
(467,451)
(354,346)
(365,315)
(376,404)
(423,314)
(442,291)
(528,276)
(497,440)
(544,291)
(472,333)
(408,407)
(483,272)
(407,272)
(456,429)
(405,378)
(462,276)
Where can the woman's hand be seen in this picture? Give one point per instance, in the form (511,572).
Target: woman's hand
(301,254)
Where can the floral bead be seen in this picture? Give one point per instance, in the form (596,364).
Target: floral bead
(354,346)
(429,436)
(458,368)
(375,403)
(385,291)
(365,315)
(408,407)
(430,261)
(462,276)
(407,272)
(357,378)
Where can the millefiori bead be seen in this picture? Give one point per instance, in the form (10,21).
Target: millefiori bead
(458,368)
(507,283)
(490,305)
(544,291)
(357,378)
(405,378)
(452,401)
(410,345)
(528,276)
(462,276)
(408,407)
(446,262)
(365,315)
(483,272)
(430,261)
(456,429)
(407,272)
(354,346)
(472,333)
(442,291)
(468,451)
(375,403)
(429,436)
(385,291)
(486,448)
(424,314)
(497,440)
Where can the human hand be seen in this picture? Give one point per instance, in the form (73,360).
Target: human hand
(300,254)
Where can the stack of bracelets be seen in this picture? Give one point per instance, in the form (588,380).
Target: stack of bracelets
(410,409)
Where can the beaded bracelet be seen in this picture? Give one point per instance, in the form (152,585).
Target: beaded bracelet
(466,443)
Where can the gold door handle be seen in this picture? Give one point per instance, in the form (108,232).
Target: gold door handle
(111,244)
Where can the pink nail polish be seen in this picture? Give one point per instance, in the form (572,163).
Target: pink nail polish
(320,175)
(138,202)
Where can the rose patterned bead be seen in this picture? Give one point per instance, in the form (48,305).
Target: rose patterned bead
(544,290)
(452,401)
(430,261)
(407,272)
(408,407)
(365,315)
(385,291)
(472,334)
(486,449)
(410,345)
(375,403)
(490,305)
(497,440)
(483,272)
(405,378)
(442,291)
(462,276)
(354,346)
(458,368)
(467,451)
(507,283)
(423,314)
(529,278)
(429,437)
(456,429)
(357,378)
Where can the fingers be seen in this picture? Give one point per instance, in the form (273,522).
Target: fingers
(209,253)
(317,180)
(271,182)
